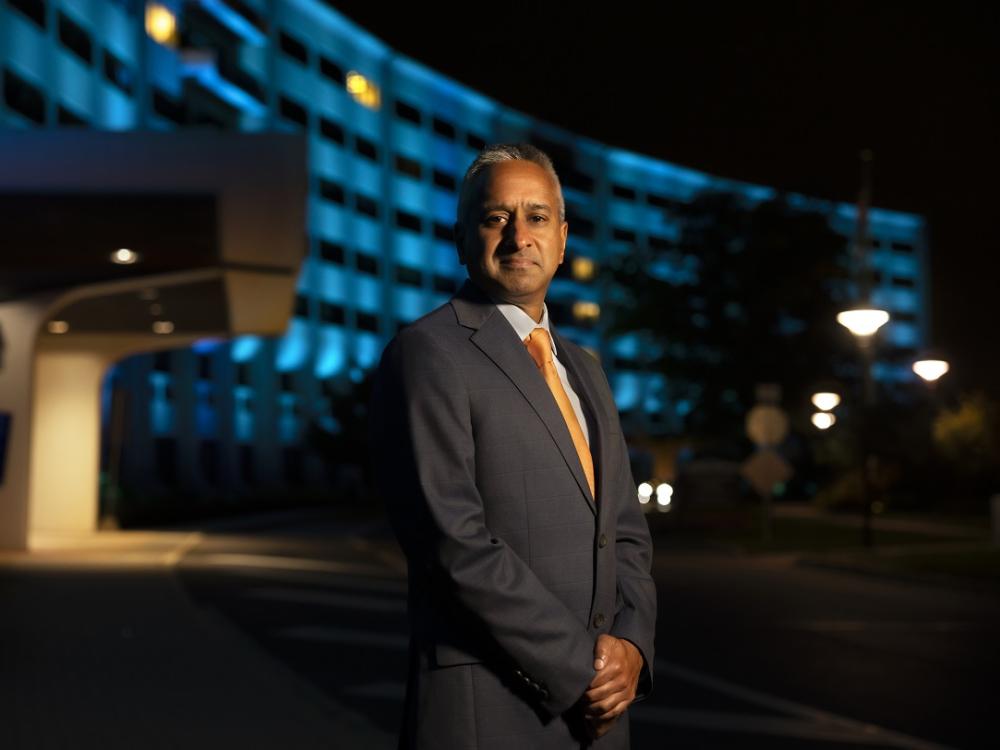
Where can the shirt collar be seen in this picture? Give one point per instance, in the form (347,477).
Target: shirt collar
(523,324)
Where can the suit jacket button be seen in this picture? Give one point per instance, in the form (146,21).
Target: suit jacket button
(598,619)
(603,541)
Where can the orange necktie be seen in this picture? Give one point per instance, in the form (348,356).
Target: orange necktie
(540,349)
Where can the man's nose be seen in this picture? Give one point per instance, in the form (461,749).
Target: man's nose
(518,232)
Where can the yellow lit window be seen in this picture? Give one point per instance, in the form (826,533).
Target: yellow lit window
(583,269)
(363,90)
(161,24)
(586,311)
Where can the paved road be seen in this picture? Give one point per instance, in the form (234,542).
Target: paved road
(751,653)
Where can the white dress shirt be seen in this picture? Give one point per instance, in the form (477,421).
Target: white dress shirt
(523,326)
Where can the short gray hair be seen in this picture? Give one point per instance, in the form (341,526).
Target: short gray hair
(502,152)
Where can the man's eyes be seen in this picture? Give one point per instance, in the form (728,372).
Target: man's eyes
(497,219)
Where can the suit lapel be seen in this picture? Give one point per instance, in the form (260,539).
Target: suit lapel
(495,337)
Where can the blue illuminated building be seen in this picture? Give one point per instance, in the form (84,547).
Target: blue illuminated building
(389,140)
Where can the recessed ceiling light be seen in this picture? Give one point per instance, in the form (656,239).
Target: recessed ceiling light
(124,257)
(163,326)
(58,326)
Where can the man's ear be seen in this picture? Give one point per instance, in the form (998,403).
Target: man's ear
(459,232)
(565,234)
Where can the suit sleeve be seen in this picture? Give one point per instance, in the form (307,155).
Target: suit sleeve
(423,431)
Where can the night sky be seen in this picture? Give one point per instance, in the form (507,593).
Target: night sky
(784,95)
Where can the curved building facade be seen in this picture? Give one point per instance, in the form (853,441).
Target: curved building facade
(389,140)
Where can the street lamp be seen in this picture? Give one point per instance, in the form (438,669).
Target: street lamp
(825,401)
(930,369)
(863,323)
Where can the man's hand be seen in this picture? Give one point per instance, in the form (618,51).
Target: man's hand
(618,663)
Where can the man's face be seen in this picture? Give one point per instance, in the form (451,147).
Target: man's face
(512,239)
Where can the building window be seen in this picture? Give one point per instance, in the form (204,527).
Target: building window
(660,243)
(624,235)
(902,247)
(408,112)
(444,232)
(243,373)
(366,148)
(332,71)
(578,225)
(367,322)
(444,284)
(117,73)
(33,10)
(286,382)
(661,201)
(444,180)
(409,167)
(292,464)
(902,282)
(405,220)
(167,108)
(620,191)
(165,459)
(408,276)
(331,191)
(301,306)
(23,98)
(293,47)
(331,130)
(363,90)
(208,457)
(247,464)
(475,141)
(366,205)
(330,313)
(331,252)
(293,111)
(75,39)
(444,128)
(67,117)
(204,367)
(161,361)
(366,264)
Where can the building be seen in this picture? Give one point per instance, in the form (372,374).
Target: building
(388,141)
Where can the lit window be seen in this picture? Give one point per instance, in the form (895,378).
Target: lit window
(161,24)
(363,90)
(583,269)
(586,311)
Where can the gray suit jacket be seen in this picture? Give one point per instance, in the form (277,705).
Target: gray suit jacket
(514,569)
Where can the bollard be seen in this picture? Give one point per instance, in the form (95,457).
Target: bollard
(995,515)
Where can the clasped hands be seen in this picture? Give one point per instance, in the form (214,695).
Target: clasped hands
(618,663)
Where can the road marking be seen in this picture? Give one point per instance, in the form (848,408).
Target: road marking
(356,602)
(344,636)
(862,731)
(189,542)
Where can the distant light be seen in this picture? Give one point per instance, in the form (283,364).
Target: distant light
(163,326)
(583,268)
(664,490)
(588,311)
(161,24)
(58,326)
(124,257)
(148,294)
(863,322)
(645,492)
(363,90)
(156,309)
(825,401)
(823,420)
(663,500)
(930,369)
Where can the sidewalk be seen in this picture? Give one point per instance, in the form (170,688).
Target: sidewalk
(100,647)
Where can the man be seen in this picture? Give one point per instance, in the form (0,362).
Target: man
(502,464)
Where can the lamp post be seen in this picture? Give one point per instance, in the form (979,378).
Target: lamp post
(863,323)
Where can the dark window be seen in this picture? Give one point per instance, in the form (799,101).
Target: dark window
(900,281)
(301,306)
(75,39)
(445,128)
(366,264)
(293,47)
(620,191)
(23,98)
(32,9)
(660,243)
(331,191)
(408,112)
(578,225)
(167,108)
(117,73)
(367,322)
(243,373)
(444,284)
(329,69)
(904,317)
(331,252)
(408,276)
(287,382)
(366,205)
(577,180)
(65,116)
(661,201)
(204,367)
(366,148)
(331,130)
(445,232)
(330,313)
(292,464)
(623,235)
(902,247)
(165,451)
(874,242)
(405,220)
(475,141)
(161,361)
(208,457)
(247,464)
(293,111)
(444,180)
(407,166)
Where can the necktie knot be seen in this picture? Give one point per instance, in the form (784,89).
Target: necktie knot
(539,347)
